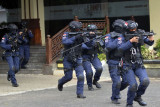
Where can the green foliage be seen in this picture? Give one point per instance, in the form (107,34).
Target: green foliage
(102,56)
(145,53)
(104,30)
(149,54)
(157,47)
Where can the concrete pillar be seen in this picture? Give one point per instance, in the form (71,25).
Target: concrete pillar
(41,16)
(34,9)
(22,10)
(154,9)
(33,5)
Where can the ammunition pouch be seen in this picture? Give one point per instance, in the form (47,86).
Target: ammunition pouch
(127,68)
(86,59)
(6,54)
(115,67)
(90,52)
(71,57)
(67,69)
(3,56)
(140,66)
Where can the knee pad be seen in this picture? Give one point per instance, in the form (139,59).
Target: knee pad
(79,64)
(145,82)
(16,71)
(118,86)
(126,85)
(123,86)
(67,69)
(13,68)
(90,74)
(69,77)
(80,77)
(99,69)
(21,59)
(133,87)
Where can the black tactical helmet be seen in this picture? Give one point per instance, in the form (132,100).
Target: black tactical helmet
(24,24)
(132,25)
(12,27)
(119,23)
(91,27)
(75,25)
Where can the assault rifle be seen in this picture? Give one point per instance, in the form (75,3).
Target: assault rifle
(14,41)
(139,34)
(97,39)
(84,33)
(24,34)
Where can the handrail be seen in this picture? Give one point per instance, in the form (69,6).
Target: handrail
(54,43)
(91,20)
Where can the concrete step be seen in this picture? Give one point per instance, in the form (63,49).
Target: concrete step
(35,65)
(31,60)
(29,66)
(32,49)
(25,71)
(37,60)
(30,71)
(34,54)
(38,49)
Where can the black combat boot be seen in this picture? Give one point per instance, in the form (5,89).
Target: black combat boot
(90,88)
(140,101)
(15,85)
(60,86)
(116,101)
(119,96)
(80,96)
(129,105)
(97,84)
(23,67)
(8,77)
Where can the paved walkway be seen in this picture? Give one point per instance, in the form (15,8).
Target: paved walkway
(33,82)
(30,82)
(67,98)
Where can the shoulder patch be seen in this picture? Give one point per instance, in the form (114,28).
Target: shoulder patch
(64,35)
(126,24)
(114,34)
(106,39)
(3,40)
(119,38)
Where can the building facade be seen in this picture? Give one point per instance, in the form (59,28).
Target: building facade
(50,16)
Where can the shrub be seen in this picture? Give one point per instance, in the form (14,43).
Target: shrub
(102,56)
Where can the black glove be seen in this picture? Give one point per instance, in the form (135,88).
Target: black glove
(89,44)
(78,36)
(14,44)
